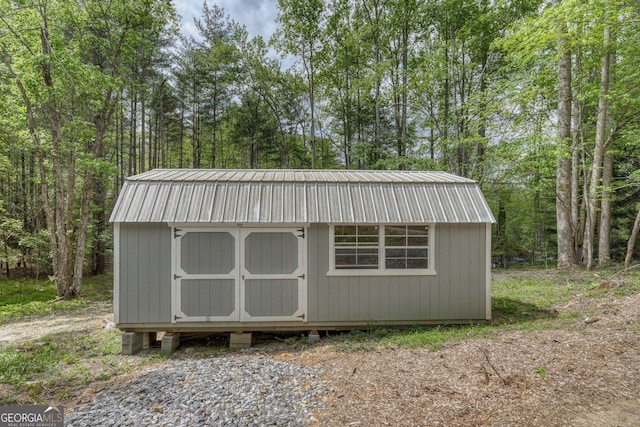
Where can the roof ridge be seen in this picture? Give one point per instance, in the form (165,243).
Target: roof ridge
(300,175)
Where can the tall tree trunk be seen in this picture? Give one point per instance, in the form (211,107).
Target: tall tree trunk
(632,241)
(121,137)
(195,136)
(100,219)
(598,154)
(604,230)
(55,217)
(102,124)
(478,174)
(373,16)
(162,132)
(566,256)
(181,138)
(133,149)
(378,100)
(62,249)
(143,126)
(405,91)
(312,106)
(578,119)
(214,125)
(153,139)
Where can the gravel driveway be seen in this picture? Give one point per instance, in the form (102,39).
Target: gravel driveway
(241,389)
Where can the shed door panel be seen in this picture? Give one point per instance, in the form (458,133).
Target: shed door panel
(273,274)
(237,274)
(208,253)
(271,297)
(206,275)
(208,297)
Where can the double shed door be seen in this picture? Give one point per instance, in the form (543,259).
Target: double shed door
(239,274)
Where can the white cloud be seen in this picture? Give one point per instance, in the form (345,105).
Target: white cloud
(259,16)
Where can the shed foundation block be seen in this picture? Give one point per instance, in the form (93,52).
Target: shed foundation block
(314,337)
(238,341)
(170,342)
(132,342)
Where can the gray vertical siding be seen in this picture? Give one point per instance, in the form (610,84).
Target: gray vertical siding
(145,273)
(456,292)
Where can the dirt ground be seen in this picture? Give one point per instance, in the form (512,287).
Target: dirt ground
(587,374)
(586,378)
(92,316)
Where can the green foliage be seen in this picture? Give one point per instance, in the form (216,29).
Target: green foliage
(463,87)
(48,368)
(20,298)
(541,372)
(14,292)
(535,295)
(433,337)
(20,365)
(36,248)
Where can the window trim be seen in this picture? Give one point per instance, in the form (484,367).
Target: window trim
(381,270)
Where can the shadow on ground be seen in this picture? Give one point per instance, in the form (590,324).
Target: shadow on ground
(507,310)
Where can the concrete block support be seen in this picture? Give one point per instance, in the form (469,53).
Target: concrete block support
(238,341)
(314,337)
(132,342)
(170,342)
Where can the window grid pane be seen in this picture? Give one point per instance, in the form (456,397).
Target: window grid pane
(406,247)
(356,247)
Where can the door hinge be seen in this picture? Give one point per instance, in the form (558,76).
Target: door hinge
(301,276)
(175,233)
(176,317)
(301,230)
(301,316)
(176,277)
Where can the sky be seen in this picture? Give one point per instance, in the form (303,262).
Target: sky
(259,16)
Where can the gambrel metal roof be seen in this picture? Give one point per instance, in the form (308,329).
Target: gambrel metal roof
(300,197)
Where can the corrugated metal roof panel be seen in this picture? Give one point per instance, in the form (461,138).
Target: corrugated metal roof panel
(262,196)
(148,201)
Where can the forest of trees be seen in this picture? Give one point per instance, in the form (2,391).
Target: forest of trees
(539,101)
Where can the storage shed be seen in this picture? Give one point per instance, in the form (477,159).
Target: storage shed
(263,250)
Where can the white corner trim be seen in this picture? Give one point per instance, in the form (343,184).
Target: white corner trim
(488,271)
(116,273)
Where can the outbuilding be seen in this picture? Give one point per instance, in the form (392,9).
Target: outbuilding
(264,250)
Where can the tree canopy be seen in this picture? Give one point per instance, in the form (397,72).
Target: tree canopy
(536,100)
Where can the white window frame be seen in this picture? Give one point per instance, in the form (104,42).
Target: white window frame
(381,270)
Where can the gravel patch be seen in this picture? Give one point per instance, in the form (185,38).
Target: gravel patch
(235,389)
